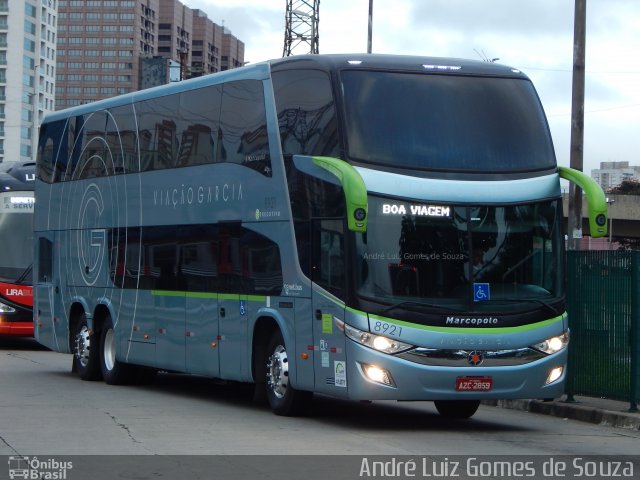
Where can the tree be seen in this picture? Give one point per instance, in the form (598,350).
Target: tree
(627,187)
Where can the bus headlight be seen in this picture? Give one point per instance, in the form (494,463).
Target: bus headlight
(377,342)
(6,308)
(553,344)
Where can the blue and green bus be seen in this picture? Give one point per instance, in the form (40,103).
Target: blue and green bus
(362,226)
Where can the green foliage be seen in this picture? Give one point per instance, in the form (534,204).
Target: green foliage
(627,187)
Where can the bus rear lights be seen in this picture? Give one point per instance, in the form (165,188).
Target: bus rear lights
(377,374)
(554,374)
(553,344)
(6,308)
(377,342)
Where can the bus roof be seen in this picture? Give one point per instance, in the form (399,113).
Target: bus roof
(261,70)
(409,63)
(18,176)
(255,71)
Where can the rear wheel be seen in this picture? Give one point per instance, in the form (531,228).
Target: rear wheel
(457,408)
(86,360)
(114,371)
(282,397)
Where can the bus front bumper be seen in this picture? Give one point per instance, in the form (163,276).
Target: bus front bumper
(372,375)
(21,329)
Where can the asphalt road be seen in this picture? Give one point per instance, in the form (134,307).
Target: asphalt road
(45,409)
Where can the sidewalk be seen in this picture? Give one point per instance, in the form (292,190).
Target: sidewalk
(600,411)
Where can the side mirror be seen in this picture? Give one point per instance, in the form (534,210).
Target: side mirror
(355,191)
(596,201)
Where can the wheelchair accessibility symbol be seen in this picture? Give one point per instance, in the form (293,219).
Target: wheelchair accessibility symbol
(481,292)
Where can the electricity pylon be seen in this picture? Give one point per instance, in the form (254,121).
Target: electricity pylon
(301,28)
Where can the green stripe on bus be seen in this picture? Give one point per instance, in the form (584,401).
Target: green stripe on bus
(213,295)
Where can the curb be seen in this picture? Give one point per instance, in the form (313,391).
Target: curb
(573,411)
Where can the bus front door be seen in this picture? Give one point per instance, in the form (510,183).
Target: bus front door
(329,284)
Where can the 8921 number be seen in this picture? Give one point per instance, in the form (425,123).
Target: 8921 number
(387,328)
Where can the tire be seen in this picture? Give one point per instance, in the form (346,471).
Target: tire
(282,397)
(86,350)
(114,371)
(460,409)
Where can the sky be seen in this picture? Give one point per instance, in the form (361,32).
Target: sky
(535,36)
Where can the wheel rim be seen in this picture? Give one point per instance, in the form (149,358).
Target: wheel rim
(83,345)
(109,350)
(278,372)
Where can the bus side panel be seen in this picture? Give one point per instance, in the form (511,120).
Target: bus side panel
(305,375)
(330,359)
(51,326)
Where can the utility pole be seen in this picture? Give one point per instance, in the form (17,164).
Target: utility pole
(369,36)
(574,218)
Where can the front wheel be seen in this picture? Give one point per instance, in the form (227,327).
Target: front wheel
(283,398)
(86,351)
(460,409)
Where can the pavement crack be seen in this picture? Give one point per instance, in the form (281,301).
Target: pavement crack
(13,354)
(123,427)
(9,445)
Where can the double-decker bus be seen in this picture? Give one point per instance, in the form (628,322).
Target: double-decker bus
(16,248)
(367,227)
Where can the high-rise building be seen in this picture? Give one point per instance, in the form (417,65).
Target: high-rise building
(206,45)
(612,174)
(27,73)
(110,47)
(175,34)
(232,51)
(100,44)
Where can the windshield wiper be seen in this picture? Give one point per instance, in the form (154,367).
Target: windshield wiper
(23,275)
(420,304)
(527,300)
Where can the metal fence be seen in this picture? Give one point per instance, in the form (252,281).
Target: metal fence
(604,317)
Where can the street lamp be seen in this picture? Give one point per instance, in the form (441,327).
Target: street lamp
(610,201)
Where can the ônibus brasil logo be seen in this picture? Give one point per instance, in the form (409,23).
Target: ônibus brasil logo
(34,468)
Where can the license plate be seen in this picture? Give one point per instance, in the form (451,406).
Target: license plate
(474,384)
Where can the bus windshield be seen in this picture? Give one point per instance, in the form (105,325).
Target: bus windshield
(464,258)
(445,122)
(16,237)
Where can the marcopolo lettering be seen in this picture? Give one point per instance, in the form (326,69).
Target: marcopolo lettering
(472,321)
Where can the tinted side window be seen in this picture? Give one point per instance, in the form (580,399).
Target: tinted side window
(158,132)
(45,259)
(52,150)
(199,126)
(224,258)
(329,255)
(121,140)
(306,113)
(92,154)
(243,126)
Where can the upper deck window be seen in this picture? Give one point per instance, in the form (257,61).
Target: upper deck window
(445,122)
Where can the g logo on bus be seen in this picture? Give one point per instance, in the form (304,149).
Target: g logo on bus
(475,358)
(91,241)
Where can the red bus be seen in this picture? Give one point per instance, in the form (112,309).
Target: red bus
(16,248)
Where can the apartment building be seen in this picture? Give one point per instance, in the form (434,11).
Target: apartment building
(100,44)
(232,51)
(27,73)
(111,47)
(612,174)
(206,45)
